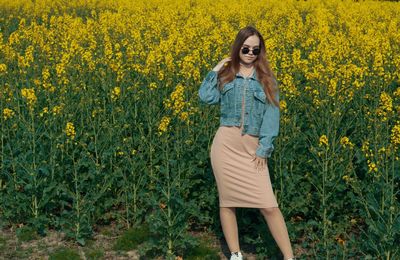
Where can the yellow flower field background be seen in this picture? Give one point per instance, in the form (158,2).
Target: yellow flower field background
(101,121)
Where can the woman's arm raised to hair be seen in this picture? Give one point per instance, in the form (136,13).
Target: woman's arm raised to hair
(209,92)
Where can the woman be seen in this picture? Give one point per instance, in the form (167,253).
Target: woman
(247,92)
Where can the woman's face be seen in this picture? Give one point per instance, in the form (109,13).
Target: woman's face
(252,42)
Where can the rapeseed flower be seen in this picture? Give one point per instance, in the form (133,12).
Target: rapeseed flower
(323,141)
(163,126)
(70,130)
(283,105)
(385,106)
(3,68)
(57,109)
(29,95)
(372,166)
(395,136)
(45,110)
(115,93)
(8,113)
(345,142)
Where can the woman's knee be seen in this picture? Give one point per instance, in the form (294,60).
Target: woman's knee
(269,211)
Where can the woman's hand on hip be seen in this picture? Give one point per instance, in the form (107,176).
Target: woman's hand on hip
(259,162)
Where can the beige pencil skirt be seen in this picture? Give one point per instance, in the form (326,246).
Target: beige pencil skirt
(240,184)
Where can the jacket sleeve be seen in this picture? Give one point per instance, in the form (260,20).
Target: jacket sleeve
(208,92)
(269,130)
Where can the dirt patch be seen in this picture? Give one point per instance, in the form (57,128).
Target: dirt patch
(99,247)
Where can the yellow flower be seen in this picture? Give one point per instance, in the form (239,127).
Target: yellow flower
(177,103)
(396,93)
(332,87)
(395,135)
(152,86)
(178,99)
(3,67)
(70,130)
(163,127)
(323,140)
(365,146)
(345,142)
(57,109)
(8,113)
(385,108)
(36,82)
(44,111)
(115,93)
(283,105)
(161,75)
(184,116)
(372,167)
(45,74)
(29,95)
(29,55)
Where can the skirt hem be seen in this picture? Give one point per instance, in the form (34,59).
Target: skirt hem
(248,206)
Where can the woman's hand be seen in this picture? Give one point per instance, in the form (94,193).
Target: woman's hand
(221,63)
(259,162)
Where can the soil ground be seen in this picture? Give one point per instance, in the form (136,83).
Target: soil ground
(99,247)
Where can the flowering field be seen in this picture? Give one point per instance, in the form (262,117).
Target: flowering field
(101,121)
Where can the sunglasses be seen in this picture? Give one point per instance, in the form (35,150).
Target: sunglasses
(255,51)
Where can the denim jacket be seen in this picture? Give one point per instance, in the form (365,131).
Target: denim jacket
(260,117)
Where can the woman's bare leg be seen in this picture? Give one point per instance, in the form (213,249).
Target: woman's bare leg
(277,227)
(229,227)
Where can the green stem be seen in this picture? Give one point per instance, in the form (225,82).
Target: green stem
(135,188)
(324,173)
(2,152)
(169,210)
(126,190)
(392,195)
(35,185)
(280,178)
(77,199)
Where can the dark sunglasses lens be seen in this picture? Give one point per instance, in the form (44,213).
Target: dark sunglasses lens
(246,50)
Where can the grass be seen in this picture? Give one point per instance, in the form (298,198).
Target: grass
(94,254)
(203,251)
(64,254)
(3,243)
(131,238)
(26,233)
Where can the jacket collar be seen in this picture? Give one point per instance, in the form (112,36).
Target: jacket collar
(253,75)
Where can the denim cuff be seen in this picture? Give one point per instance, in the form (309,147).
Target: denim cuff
(265,148)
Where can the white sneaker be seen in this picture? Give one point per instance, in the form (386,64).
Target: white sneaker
(236,256)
